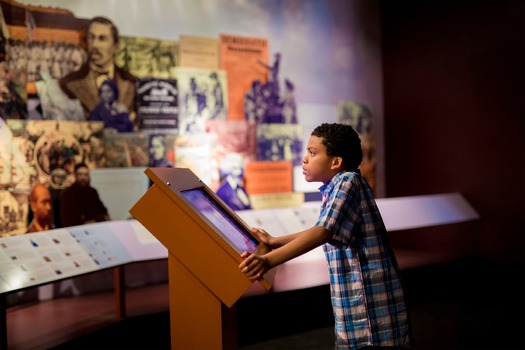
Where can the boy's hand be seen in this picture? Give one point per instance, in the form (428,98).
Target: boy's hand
(262,235)
(254,266)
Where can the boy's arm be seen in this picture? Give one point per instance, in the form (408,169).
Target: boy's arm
(274,242)
(255,266)
(297,244)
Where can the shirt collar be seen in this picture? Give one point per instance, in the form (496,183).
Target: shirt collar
(329,186)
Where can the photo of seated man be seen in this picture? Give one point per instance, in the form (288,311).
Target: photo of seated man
(80,203)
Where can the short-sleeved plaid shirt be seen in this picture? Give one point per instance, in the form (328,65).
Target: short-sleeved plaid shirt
(366,290)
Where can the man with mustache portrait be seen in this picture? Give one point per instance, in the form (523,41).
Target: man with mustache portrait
(102,40)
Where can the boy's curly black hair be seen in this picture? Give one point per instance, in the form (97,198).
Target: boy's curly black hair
(341,140)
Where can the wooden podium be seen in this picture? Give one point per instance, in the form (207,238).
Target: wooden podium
(204,238)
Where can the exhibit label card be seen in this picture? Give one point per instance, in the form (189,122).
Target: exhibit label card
(276,200)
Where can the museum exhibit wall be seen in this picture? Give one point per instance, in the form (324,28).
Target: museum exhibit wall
(454,118)
(324,57)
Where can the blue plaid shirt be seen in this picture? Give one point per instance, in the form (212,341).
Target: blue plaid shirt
(366,291)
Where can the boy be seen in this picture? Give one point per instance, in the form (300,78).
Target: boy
(366,291)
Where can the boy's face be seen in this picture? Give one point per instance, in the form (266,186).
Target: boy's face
(317,165)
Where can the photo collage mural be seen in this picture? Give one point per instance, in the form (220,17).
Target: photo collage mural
(75,90)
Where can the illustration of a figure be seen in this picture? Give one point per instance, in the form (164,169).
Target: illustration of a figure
(264,103)
(218,110)
(273,77)
(109,110)
(254,106)
(231,189)
(194,106)
(158,152)
(195,99)
(289,110)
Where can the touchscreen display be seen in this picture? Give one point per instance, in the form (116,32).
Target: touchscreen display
(222,220)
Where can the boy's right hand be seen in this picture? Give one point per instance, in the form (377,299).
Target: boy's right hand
(262,235)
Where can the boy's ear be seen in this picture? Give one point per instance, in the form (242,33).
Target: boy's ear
(337,162)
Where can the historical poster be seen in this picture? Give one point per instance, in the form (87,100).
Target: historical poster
(273,100)
(263,177)
(202,96)
(157,103)
(280,142)
(235,146)
(198,52)
(53,148)
(245,59)
(147,57)
(233,136)
(124,150)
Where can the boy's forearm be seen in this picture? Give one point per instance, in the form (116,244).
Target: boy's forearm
(279,241)
(297,244)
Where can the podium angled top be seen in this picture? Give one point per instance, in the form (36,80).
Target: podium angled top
(177,179)
(199,229)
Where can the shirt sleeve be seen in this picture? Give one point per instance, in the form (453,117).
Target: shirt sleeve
(340,210)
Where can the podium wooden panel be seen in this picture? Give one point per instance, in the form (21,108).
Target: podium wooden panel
(203,267)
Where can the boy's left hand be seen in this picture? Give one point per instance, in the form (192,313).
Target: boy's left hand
(254,266)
